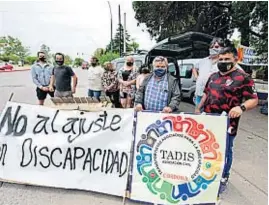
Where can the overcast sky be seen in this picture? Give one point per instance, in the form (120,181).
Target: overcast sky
(68,26)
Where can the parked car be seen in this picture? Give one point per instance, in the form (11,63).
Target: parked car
(6,66)
(139,60)
(183,52)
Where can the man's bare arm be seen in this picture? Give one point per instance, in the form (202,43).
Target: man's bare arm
(195,73)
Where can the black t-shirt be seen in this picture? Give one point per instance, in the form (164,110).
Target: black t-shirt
(225,92)
(63,76)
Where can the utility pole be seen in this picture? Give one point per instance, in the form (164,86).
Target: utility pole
(120,27)
(111,28)
(124,33)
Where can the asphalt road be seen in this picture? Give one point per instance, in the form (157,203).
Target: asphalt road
(249,178)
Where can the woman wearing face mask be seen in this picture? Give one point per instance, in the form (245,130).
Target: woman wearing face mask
(127,79)
(144,71)
(206,67)
(111,84)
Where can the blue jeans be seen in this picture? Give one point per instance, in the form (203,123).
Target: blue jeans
(198,100)
(229,156)
(93,93)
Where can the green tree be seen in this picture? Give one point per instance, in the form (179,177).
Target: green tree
(251,18)
(68,60)
(99,52)
(167,18)
(44,48)
(30,60)
(78,61)
(109,56)
(117,42)
(134,45)
(13,46)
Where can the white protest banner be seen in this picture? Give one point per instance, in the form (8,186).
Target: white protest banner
(66,149)
(178,158)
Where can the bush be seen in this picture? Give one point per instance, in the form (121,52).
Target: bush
(30,60)
(109,56)
(7,58)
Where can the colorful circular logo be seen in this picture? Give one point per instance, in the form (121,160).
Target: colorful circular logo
(178,158)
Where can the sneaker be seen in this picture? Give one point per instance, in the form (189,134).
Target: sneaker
(223,184)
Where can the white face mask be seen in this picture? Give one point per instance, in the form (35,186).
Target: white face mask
(214,51)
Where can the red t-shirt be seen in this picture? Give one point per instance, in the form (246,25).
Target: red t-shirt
(227,91)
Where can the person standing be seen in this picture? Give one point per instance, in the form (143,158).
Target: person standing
(230,90)
(41,73)
(127,79)
(204,68)
(61,77)
(111,84)
(95,73)
(159,91)
(144,71)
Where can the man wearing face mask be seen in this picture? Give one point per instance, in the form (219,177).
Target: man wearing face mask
(206,67)
(224,92)
(41,73)
(159,91)
(61,77)
(95,73)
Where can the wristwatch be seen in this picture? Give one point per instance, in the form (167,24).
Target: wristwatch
(243,107)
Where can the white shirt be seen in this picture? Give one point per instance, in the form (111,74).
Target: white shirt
(95,78)
(205,68)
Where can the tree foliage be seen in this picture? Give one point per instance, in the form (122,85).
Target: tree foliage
(109,56)
(78,62)
(168,18)
(13,46)
(218,18)
(99,52)
(251,18)
(118,41)
(68,60)
(30,60)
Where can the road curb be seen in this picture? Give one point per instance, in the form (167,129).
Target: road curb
(10,71)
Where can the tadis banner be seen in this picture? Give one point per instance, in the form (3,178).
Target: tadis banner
(178,159)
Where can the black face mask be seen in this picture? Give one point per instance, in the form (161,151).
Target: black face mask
(225,66)
(129,63)
(59,62)
(42,59)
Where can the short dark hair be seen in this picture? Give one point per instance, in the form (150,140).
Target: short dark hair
(228,50)
(59,54)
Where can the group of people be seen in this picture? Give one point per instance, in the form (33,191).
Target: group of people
(53,81)
(221,87)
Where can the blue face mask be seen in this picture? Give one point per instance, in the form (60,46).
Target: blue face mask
(159,72)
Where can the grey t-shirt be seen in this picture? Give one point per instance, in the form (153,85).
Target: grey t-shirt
(63,76)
